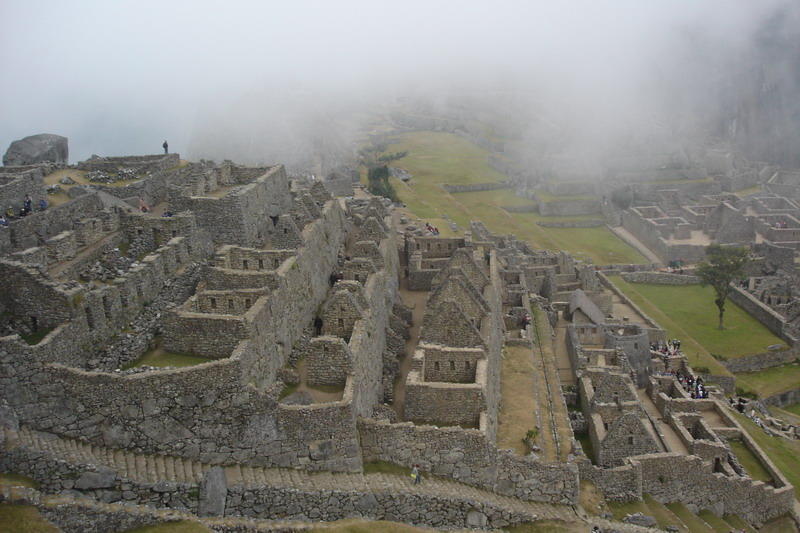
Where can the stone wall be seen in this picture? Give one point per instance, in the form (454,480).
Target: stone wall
(659,278)
(760,361)
(569,207)
(14,187)
(26,232)
(789,397)
(141,163)
(467,456)
(594,223)
(475,187)
(671,477)
(758,310)
(214,411)
(242,215)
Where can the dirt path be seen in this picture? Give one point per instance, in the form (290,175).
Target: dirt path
(58,268)
(564,363)
(519,411)
(416,300)
(671,439)
(631,239)
(555,431)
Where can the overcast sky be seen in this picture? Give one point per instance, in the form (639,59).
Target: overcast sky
(119,77)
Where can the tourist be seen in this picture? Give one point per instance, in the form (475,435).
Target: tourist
(42,204)
(3,221)
(143,207)
(27,205)
(416,476)
(165,146)
(10,214)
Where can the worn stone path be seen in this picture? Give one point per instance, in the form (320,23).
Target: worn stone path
(548,391)
(672,442)
(154,468)
(631,239)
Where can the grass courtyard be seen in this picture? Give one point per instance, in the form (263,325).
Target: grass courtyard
(436,158)
(688,313)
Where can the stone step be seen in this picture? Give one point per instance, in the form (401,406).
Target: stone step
(154,468)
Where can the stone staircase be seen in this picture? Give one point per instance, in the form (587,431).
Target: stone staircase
(154,468)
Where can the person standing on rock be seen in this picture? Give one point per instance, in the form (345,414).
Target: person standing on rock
(166,147)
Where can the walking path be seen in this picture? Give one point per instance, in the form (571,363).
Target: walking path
(416,300)
(565,371)
(631,239)
(147,468)
(556,432)
(670,437)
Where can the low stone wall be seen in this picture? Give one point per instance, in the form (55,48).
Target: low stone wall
(328,505)
(476,187)
(569,207)
(726,383)
(760,361)
(784,398)
(671,477)
(761,312)
(466,455)
(623,483)
(531,208)
(96,482)
(593,223)
(659,278)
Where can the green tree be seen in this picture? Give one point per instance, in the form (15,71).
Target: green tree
(723,265)
(378,182)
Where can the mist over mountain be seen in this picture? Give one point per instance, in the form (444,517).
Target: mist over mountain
(262,82)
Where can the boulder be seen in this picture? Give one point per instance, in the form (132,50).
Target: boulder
(42,148)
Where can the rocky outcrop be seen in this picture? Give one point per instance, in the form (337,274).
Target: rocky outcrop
(42,148)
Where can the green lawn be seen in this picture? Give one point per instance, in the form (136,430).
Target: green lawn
(783,453)
(183,526)
(770,381)
(160,358)
(749,461)
(437,158)
(794,409)
(688,313)
(23,519)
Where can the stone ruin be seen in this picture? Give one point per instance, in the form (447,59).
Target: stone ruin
(309,366)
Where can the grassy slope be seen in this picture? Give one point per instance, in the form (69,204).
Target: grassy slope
(689,314)
(436,158)
(517,414)
(23,519)
(691,308)
(783,453)
(749,461)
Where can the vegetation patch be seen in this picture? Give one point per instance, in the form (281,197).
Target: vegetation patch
(16,480)
(182,526)
(688,313)
(23,519)
(518,408)
(784,453)
(435,158)
(770,381)
(750,462)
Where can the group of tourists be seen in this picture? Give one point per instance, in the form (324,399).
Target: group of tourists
(781,224)
(694,386)
(25,210)
(432,229)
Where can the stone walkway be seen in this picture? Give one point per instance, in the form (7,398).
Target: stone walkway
(556,432)
(631,239)
(144,468)
(671,439)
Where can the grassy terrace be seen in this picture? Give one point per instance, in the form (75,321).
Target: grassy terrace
(783,453)
(161,358)
(750,462)
(437,158)
(688,313)
(518,410)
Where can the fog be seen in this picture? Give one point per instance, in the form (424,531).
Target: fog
(293,81)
